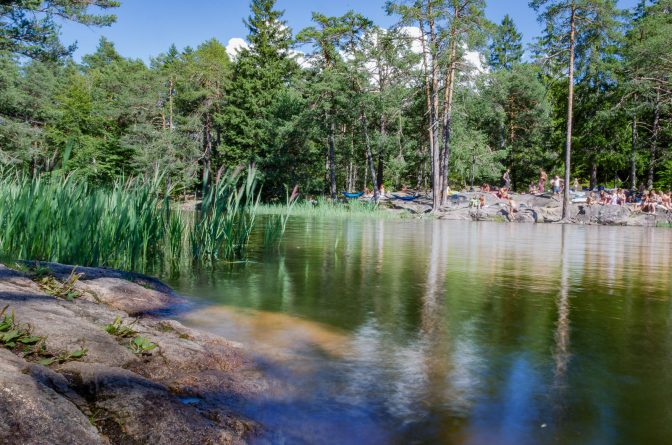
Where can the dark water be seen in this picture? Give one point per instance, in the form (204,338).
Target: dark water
(444,332)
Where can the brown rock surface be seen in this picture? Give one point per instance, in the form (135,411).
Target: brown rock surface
(183,391)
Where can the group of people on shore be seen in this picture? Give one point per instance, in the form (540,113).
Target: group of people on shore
(647,201)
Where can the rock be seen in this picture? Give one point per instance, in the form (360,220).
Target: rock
(130,398)
(127,296)
(34,410)
(612,215)
(133,409)
(63,271)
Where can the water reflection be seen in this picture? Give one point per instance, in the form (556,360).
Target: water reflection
(401,331)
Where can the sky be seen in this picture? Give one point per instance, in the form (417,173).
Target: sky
(146,28)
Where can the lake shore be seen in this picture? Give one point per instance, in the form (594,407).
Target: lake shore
(94,359)
(533,209)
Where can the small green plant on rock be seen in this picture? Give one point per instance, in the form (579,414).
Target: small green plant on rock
(64,290)
(18,337)
(64,357)
(142,346)
(119,329)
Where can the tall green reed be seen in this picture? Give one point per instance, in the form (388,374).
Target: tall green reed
(276,224)
(225,218)
(129,225)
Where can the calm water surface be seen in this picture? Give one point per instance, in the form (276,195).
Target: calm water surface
(459,333)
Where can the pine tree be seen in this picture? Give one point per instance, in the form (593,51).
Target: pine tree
(31,28)
(648,63)
(447,29)
(261,75)
(506,48)
(572,28)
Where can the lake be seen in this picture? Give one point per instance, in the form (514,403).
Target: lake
(445,332)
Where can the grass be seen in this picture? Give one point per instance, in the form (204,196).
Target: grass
(325,208)
(224,222)
(128,225)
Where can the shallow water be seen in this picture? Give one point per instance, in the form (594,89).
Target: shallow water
(448,332)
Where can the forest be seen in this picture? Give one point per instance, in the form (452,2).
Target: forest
(444,97)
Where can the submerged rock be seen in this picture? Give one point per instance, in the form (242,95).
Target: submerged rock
(184,390)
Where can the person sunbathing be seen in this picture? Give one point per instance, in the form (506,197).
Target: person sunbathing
(666,201)
(503,193)
(648,204)
(591,199)
(622,198)
(604,198)
(613,199)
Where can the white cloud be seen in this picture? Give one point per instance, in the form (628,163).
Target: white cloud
(413,33)
(475,60)
(235,45)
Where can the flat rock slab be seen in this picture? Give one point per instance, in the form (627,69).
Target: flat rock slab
(33,411)
(112,395)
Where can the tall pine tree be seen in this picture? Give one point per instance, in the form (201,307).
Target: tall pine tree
(261,75)
(506,48)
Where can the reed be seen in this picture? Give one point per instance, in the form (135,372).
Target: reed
(128,225)
(224,221)
(276,224)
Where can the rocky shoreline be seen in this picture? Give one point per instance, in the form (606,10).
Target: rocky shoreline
(535,209)
(114,388)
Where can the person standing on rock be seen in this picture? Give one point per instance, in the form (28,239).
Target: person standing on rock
(543,177)
(507,179)
(555,185)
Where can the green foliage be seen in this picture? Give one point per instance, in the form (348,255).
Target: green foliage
(17,337)
(64,357)
(276,225)
(30,27)
(223,224)
(325,208)
(119,329)
(128,226)
(350,113)
(141,346)
(506,49)
(64,290)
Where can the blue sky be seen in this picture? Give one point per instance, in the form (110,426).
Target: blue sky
(146,28)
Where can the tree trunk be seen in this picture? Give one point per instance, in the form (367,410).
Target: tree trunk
(430,90)
(381,150)
(593,175)
(448,109)
(369,158)
(633,155)
(655,131)
(570,115)
(171,85)
(332,161)
(350,185)
(207,153)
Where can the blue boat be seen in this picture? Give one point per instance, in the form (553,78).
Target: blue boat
(353,195)
(406,198)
